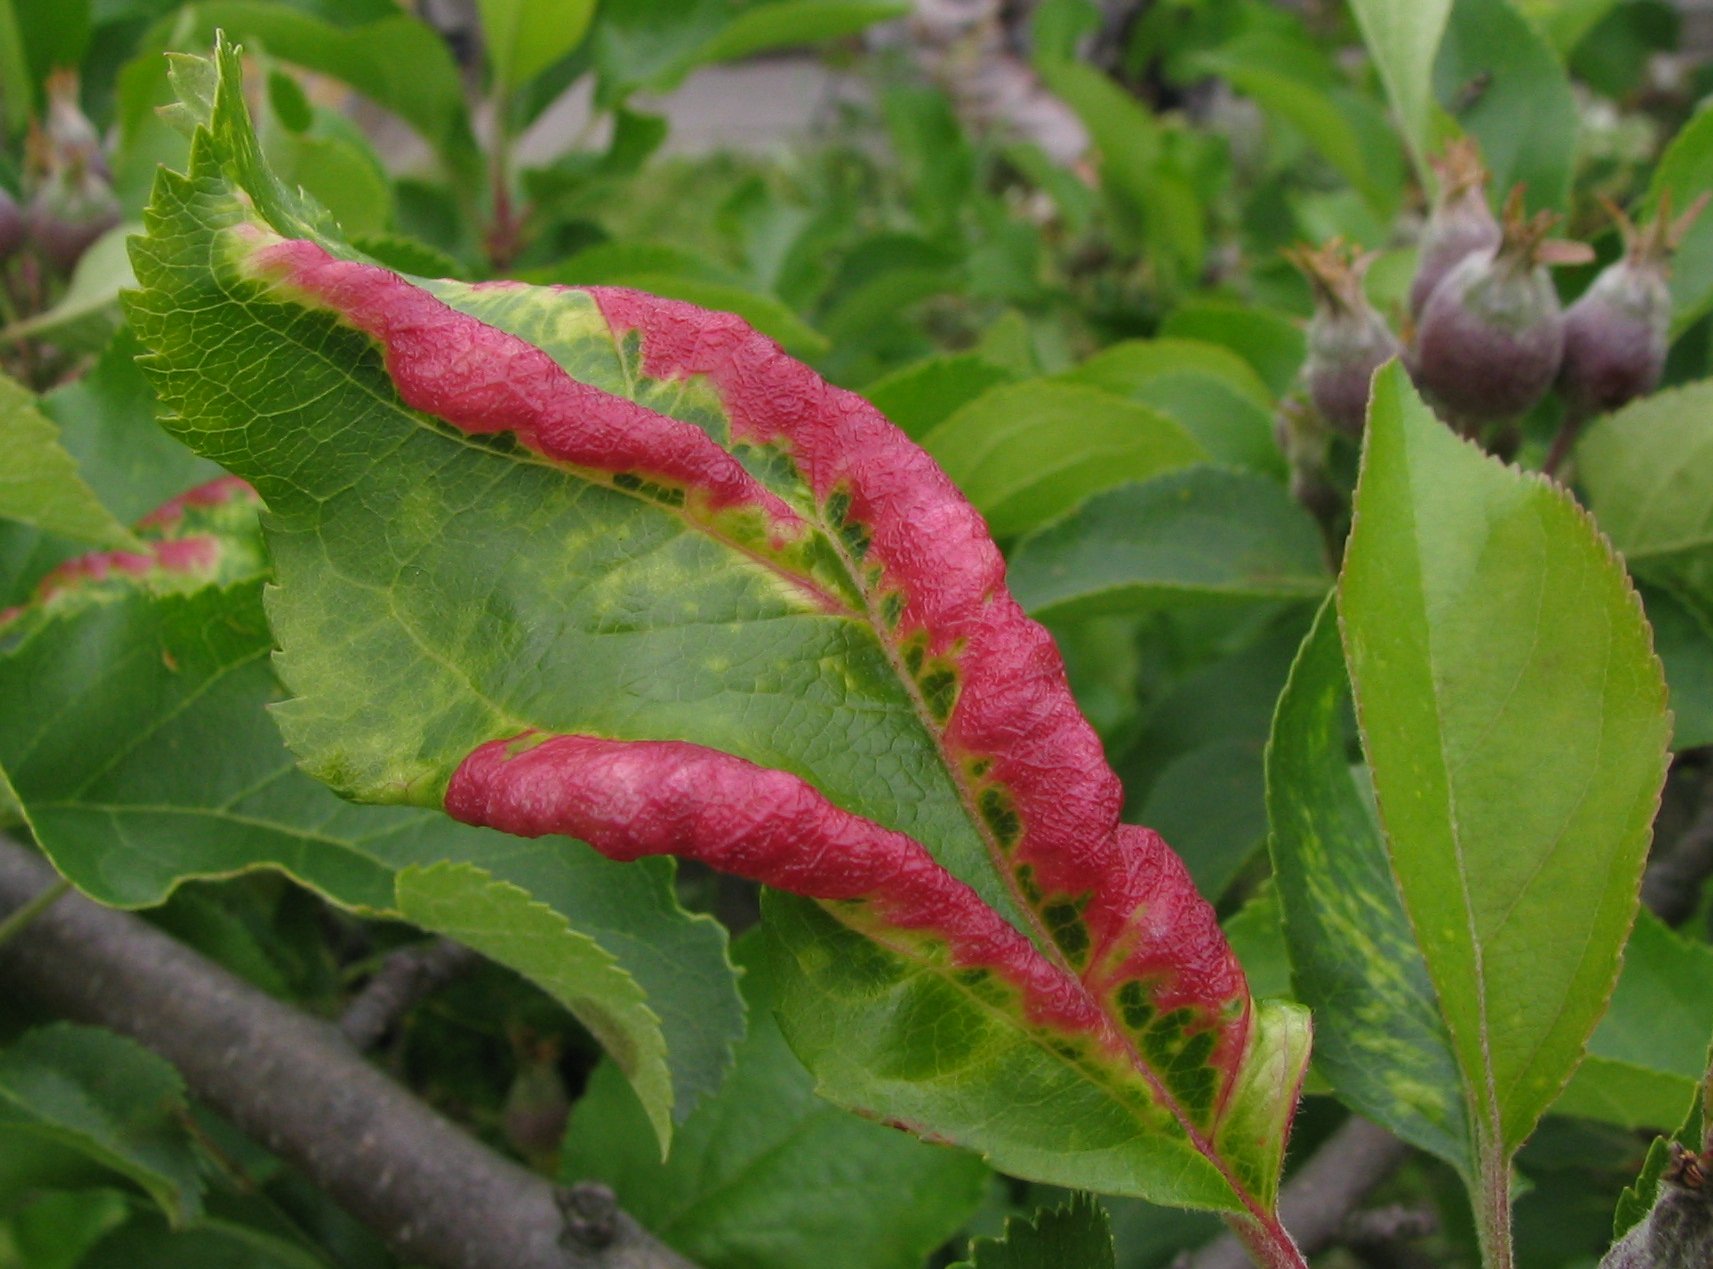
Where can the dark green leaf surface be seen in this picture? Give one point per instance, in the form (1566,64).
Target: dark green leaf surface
(109,1099)
(1031,451)
(1482,613)
(1379,1038)
(765,1174)
(1635,1202)
(1075,1236)
(1683,637)
(1199,533)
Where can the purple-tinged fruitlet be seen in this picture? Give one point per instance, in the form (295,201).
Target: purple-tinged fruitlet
(1491,338)
(68,213)
(1347,340)
(1460,225)
(1678,1232)
(73,203)
(1617,334)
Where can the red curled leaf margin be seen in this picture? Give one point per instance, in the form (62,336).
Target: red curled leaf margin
(1117,943)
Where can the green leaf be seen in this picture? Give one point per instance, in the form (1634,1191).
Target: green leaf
(525,37)
(1028,452)
(1154,202)
(1684,171)
(1379,1037)
(652,44)
(1078,1235)
(1368,157)
(505,924)
(1270,342)
(86,315)
(173,770)
(1513,715)
(40,484)
(764,27)
(1129,368)
(1646,470)
(398,62)
(1505,84)
(917,398)
(1403,39)
(766,1175)
(1199,533)
(1649,1053)
(109,1099)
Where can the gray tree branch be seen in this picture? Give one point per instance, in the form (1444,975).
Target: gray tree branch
(440,1198)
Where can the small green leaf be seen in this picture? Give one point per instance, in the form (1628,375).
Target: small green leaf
(525,37)
(1514,718)
(1379,1038)
(921,396)
(1031,451)
(1685,170)
(1128,368)
(763,27)
(1153,203)
(1403,39)
(109,1099)
(1647,470)
(398,62)
(1504,84)
(766,1175)
(1271,343)
(1649,1052)
(1075,1236)
(40,484)
(1199,533)
(504,923)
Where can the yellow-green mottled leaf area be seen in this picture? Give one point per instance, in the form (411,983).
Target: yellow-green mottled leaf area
(1514,718)
(1379,1037)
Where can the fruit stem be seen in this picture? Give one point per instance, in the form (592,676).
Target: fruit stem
(1568,431)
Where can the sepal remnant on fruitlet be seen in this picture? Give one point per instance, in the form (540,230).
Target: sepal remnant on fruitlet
(586,561)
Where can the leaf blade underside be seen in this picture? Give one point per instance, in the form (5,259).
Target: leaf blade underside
(525,533)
